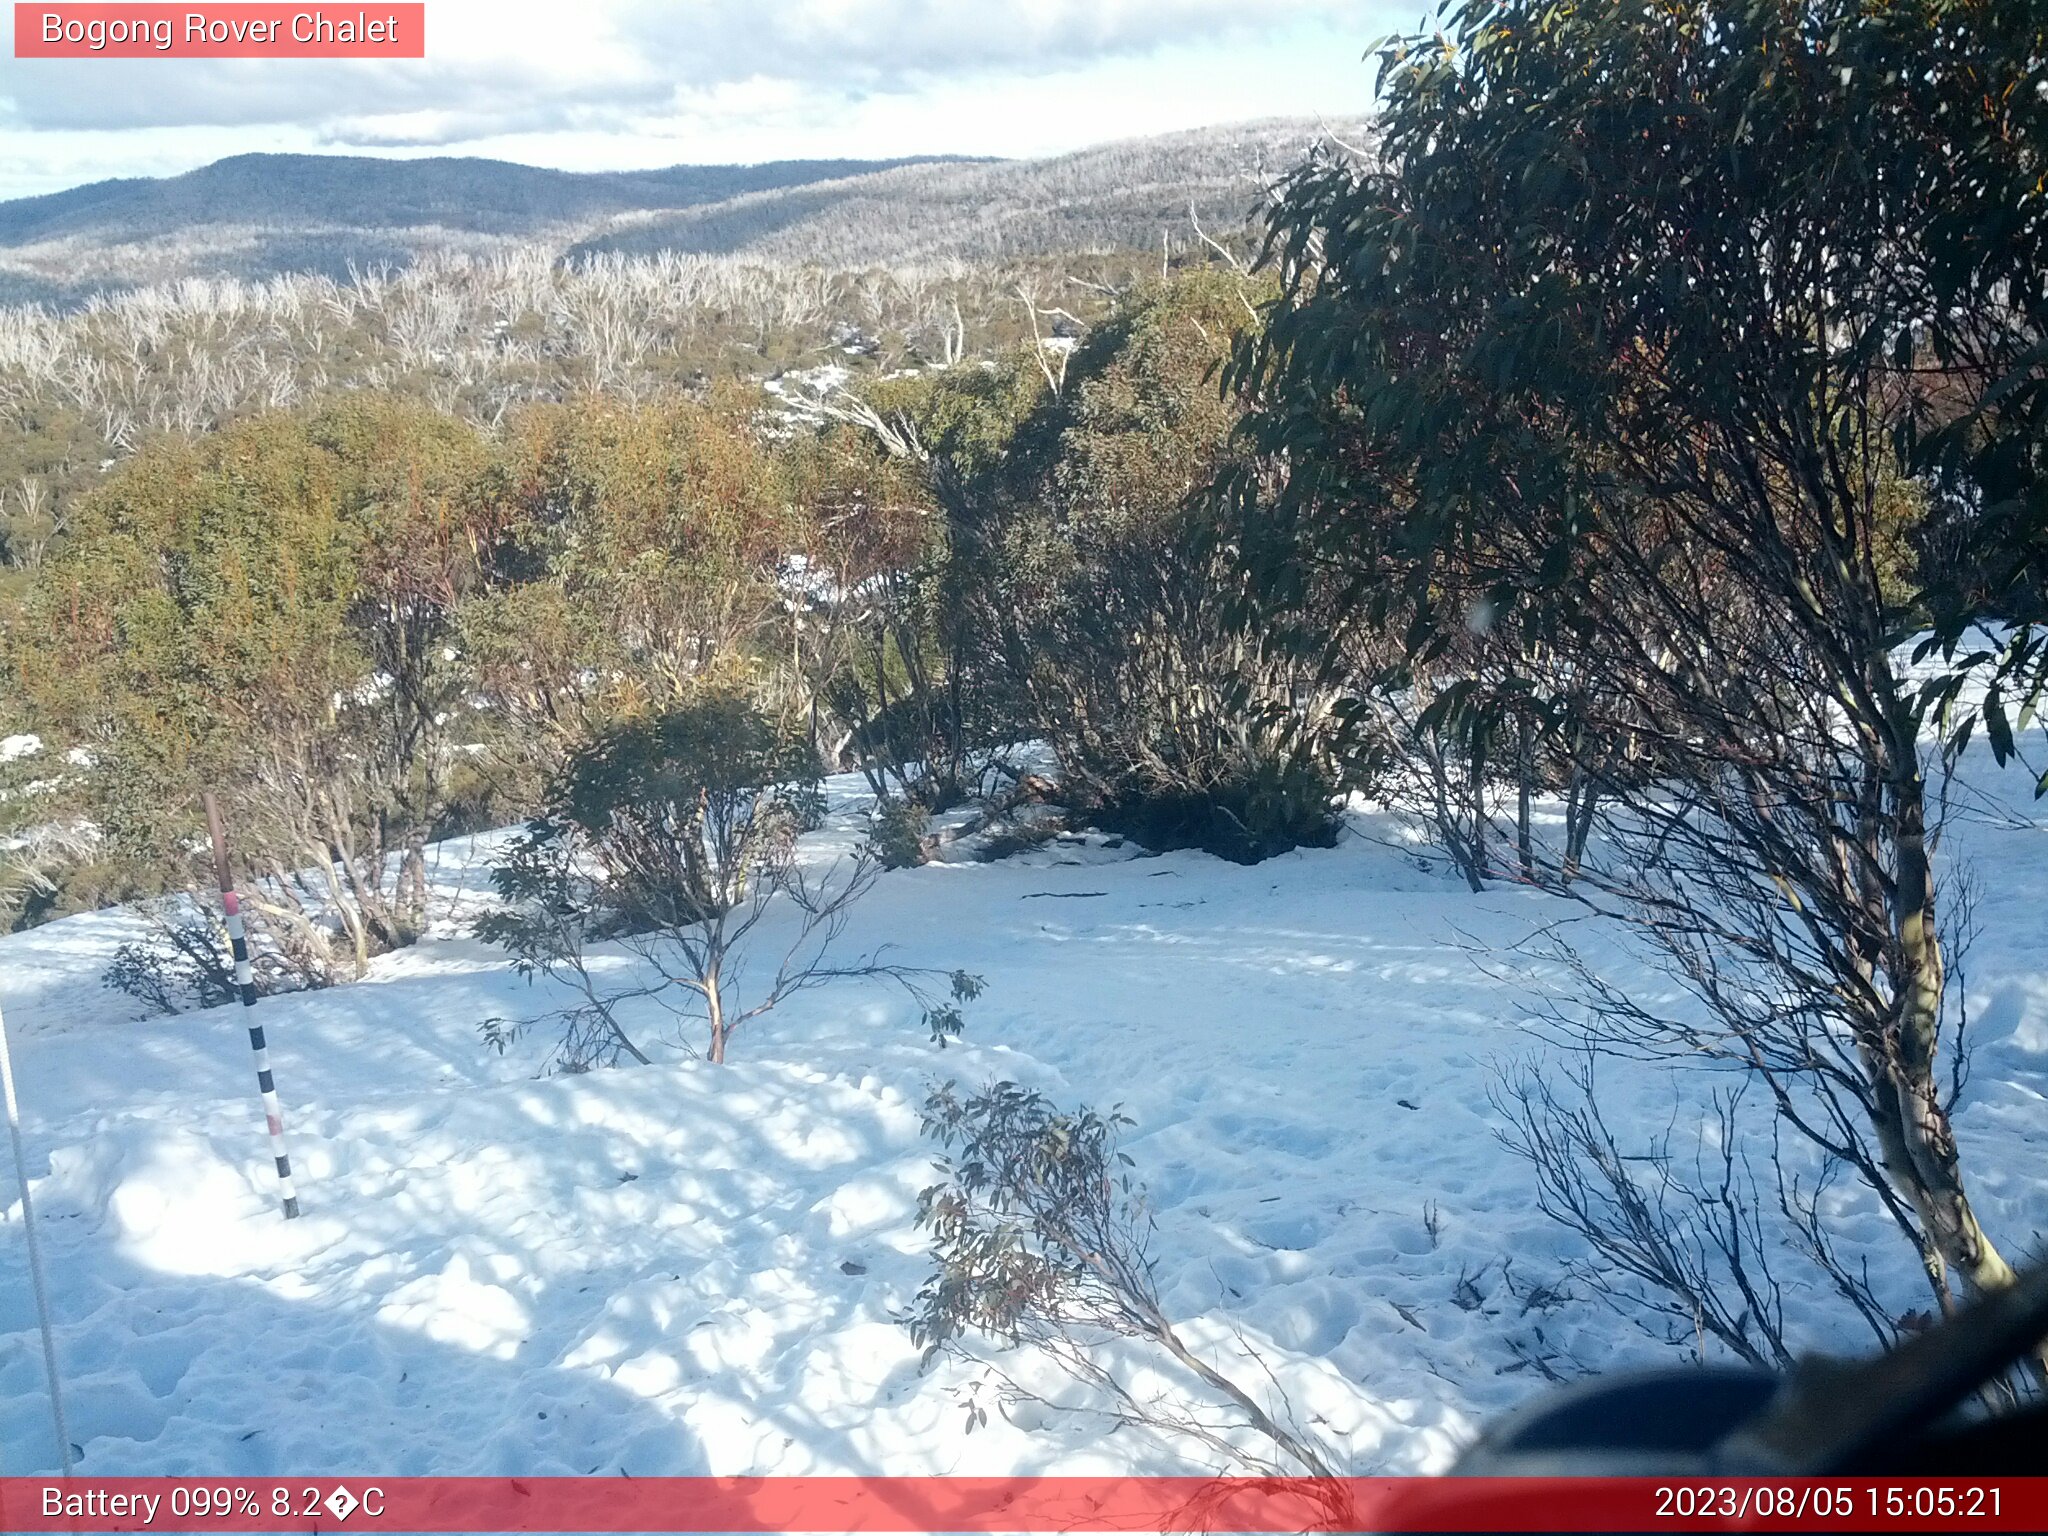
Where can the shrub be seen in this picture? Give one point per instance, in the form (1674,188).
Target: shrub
(1246,813)
(675,835)
(184,963)
(1041,1236)
(896,833)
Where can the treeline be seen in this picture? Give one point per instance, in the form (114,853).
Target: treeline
(478,336)
(254,218)
(1129,196)
(373,624)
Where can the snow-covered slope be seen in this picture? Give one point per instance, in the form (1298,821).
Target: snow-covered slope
(684,1268)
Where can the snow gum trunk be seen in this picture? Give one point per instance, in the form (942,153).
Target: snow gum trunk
(1915,1135)
(1921,1148)
(714,1006)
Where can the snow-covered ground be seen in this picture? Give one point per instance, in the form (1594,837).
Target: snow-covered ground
(683,1268)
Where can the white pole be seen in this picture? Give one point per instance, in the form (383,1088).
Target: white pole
(35,1253)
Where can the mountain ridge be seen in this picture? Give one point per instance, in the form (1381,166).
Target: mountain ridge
(481,194)
(257,216)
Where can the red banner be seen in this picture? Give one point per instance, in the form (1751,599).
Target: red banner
(1024,1504)
(372,31)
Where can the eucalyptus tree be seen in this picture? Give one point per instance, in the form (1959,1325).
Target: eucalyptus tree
(1624,343)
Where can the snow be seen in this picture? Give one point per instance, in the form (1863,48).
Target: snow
(686,1269)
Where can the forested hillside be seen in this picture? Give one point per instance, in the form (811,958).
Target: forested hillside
(1130,196)
(259,216)
(341,191)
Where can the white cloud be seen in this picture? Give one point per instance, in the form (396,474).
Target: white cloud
(891,44)
(645,79)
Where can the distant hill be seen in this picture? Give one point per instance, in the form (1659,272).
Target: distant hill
(253,216)
(484,196)
(1113,196)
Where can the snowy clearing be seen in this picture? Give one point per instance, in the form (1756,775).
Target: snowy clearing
(687,1269)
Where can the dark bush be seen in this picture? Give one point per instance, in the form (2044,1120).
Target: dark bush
(1246,818)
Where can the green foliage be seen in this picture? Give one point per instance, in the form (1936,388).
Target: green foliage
(946,1018)
(897,659)
(1266,804)
(969,418)
(1147,424)
(49,454)
(207,582)
(636,568)
(264,612)
(1041,1236)
(1035,1221)
(896,833)
(1618,376)
(672,834)
(671,815)
(1109,591)
(1784,255)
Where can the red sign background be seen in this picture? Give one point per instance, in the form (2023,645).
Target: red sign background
(369,30)
(1024,1504)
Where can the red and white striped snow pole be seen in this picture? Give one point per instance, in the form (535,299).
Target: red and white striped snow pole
(245,983)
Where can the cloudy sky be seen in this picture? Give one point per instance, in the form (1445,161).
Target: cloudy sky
(614,84)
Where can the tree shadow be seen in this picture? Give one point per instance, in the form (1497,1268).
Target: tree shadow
(572,1276)
(221,1377)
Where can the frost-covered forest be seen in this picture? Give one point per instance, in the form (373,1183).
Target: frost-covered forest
(884,830)
(261,216)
